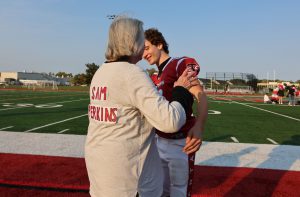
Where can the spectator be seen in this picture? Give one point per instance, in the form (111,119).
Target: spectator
(280,94)
(291,95)
(266,98)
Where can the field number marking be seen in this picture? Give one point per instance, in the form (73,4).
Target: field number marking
(45,105)
(214,112)
(21,105)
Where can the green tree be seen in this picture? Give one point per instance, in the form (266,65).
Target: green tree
(238,82)
(252,81)
(79,79)
(63,74)
(90,71)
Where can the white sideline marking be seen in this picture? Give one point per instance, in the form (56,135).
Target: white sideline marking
(265,104)
(272,141)
(6,128)
(63,131)
(268,111)
(284,157)
(54,123)
(234,139)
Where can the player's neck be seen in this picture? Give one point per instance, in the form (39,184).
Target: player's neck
(163,57)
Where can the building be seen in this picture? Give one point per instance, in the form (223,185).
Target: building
(31,78)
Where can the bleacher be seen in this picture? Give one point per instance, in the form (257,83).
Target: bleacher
(223,86)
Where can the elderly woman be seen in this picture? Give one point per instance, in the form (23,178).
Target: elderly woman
(120,151)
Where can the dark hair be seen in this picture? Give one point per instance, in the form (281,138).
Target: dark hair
(155,37)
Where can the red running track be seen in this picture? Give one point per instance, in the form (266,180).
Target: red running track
(32,175)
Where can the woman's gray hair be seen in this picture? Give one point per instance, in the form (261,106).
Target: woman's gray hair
(126,39)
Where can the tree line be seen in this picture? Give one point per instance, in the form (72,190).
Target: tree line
(86,78)
(91,68)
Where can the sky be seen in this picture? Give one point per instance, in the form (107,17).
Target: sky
(261,37)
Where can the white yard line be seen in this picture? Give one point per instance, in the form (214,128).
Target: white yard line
(54,123)
(234,139)
(219,101)
(272,141)
(63,131)
(66,101)
(6,128)
(268,111)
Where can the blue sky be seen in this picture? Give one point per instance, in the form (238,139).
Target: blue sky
(252,36)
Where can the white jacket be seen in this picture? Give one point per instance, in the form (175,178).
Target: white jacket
(120,152)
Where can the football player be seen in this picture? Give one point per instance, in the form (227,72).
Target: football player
(176,150)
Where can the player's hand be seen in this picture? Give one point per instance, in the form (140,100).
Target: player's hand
(193,141)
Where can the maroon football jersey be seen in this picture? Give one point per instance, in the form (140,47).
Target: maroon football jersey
(165,82)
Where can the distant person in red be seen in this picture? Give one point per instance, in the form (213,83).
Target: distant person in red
(291,94)
(177,161)
(280,93)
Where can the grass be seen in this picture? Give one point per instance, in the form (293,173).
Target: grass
(239,118)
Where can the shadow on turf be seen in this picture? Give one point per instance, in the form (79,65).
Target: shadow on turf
(232,181)
(231,159)
(295,140)
(268,181)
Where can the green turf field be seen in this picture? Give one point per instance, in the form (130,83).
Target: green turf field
(231,118)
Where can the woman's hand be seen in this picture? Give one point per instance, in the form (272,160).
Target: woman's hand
(187,79)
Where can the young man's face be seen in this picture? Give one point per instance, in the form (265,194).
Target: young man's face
(152,53)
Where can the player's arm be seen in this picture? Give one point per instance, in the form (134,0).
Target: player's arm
(194,138)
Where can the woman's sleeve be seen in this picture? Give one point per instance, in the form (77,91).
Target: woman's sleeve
(164,115)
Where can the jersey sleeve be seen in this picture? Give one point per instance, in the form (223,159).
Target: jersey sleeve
(154,78)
